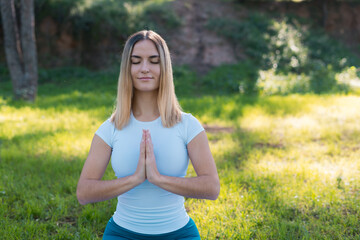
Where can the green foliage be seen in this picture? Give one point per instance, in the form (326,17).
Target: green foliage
(322,79)
(293,55)
(225,79)
(94,19)
(152,15)
(4,72)
(248,33)
(186,81)
(272,83)
(278,54)
(102,18)
(59,10)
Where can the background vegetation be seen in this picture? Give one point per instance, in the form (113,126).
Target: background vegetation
(282,124)
(278,54)
(285,55)
(94,19)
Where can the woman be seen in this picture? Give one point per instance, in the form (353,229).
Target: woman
(150,142)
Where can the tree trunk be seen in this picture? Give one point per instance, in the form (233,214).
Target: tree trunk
(323,6)
(12,42)
(20,48)
(28,44)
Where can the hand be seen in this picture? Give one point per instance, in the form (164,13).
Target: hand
(140,172)
(152,173)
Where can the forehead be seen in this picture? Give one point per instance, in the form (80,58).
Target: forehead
(145,48)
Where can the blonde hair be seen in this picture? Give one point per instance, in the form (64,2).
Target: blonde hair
(169,108)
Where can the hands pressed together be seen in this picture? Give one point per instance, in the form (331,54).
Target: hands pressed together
(147,168)
(204,186)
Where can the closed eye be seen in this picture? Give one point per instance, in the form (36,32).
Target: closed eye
(155,59)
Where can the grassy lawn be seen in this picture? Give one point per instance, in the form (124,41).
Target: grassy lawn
(289,166)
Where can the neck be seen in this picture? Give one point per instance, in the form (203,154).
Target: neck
(145,106)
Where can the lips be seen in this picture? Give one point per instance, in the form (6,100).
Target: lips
(145,78)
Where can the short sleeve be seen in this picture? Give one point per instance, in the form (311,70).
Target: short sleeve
(105,132)
(193,127)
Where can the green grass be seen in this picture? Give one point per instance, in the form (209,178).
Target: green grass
(288,165)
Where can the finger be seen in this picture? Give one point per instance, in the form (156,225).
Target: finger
(142,145)
(148,144)
(143,137)
(151,147)
(147,147)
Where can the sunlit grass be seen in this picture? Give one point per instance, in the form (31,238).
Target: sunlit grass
(289,172)
(288,165)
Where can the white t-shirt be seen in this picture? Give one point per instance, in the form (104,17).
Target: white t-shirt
(147,208)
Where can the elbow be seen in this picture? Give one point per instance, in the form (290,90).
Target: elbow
(80,196)
(215,190)
(216,193)
(81,199)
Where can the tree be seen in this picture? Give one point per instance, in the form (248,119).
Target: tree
(20,47)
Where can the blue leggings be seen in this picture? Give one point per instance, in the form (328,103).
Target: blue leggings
(115,232)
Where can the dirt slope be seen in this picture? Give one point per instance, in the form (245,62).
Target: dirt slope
(195,44)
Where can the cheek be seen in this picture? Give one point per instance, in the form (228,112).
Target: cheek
(133,70)
(157,70)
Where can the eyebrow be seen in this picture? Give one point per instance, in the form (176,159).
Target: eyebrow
(153,56)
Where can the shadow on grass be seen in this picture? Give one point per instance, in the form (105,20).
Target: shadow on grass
(218,107)
(69,88)
(274,213)
(38,192)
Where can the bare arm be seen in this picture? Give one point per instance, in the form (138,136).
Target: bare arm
(205,185)
(91,188)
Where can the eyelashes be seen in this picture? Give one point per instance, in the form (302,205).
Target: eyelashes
(153,62)
(152,59)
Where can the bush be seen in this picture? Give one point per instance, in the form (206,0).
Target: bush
(152,15)
(292,54)
(59,10)
(237,78)
(4,73)
(102,18)
(185,80)
(322,78)
(248,33)
(95,19)
(271,83)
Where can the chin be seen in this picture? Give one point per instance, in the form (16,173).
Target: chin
(146,89)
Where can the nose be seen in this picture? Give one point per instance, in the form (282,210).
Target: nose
(145,67)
